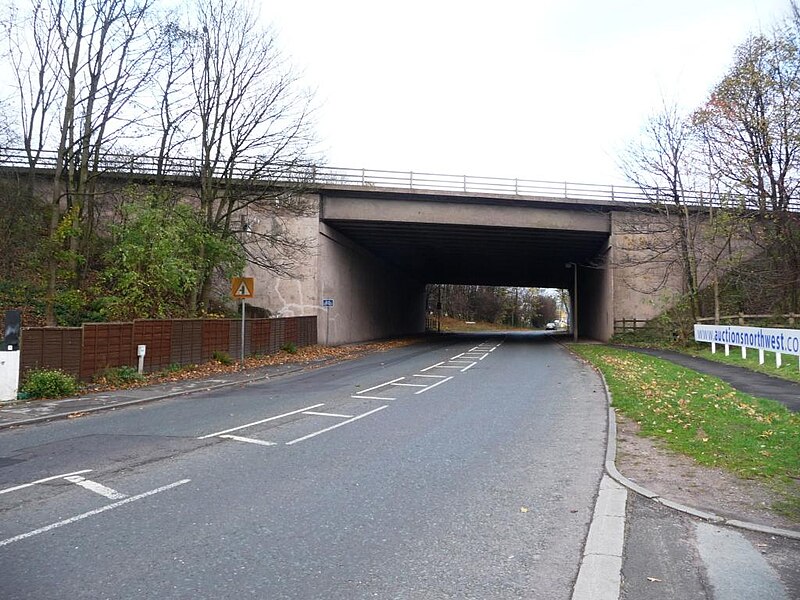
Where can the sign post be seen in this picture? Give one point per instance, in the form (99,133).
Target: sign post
(242,288)
(327,303)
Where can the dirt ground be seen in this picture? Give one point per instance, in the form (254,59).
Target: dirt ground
(681,479)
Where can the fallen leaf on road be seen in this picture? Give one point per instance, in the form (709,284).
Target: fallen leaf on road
(523,509)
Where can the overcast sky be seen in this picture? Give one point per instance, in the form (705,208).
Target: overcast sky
(537,89)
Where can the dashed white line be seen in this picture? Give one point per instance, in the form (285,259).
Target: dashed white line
(97,488)
(458,356)
(375,387)
(432,376)
(91,513)
(372,398)
(468,367)
(342,424)
(430,387)
(484,356)
(409,384)
(32,483)
(248,440)
(288,414)
(324,414)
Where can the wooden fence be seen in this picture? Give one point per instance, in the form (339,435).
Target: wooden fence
(86,351)
(789,319)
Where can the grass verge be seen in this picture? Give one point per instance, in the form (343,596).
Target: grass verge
(703,417)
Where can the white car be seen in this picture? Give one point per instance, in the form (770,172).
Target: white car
(550,325)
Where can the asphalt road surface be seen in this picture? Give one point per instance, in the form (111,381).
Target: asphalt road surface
(459,469)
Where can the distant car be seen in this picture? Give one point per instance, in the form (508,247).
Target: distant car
(550,325)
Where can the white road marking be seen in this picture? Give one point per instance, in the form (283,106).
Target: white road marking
(25,485)
(375,387)
(322,414)
(343,423)
(91,513)
(431,367)
(449,367)
(440,382)
(484,356)
(468,367)
(294,412)
(432,376)
(409,384)
(372,398)
(248,440)
(97,488)
(458,355)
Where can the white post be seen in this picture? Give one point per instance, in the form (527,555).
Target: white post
(761,356)
(9,375)
(778,360)
(744,353)
(713,347)
(727,350)
(141,350)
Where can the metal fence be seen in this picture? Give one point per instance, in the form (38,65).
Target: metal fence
(332,177)
(88,350)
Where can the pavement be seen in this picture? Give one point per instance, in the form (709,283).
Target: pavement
(757,384)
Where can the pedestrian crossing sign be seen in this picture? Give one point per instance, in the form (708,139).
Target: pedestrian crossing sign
(242,287)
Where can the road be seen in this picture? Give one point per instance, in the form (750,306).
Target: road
(458,469)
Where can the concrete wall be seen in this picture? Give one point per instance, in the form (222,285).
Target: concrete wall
(371,298)
(596,298)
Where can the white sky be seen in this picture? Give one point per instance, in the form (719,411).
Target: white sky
(537,89)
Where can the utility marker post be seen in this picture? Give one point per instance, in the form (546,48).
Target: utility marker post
(242,288)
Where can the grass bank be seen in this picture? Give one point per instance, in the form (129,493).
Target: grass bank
(705,418)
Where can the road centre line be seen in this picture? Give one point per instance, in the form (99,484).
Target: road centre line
(248,440)
(322,414)
(91,513)
(343,423)
(97,488)
(468,367)
(372,398)
(32,483)
(288,414)
(375,387)
(431,367)
(440,382)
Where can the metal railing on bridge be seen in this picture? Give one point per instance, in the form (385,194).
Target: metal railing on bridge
(324,176)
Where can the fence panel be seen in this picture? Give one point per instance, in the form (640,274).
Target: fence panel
(51,348)
(187,342)
(106,345)
(259,335)
(216,337)
(157,336)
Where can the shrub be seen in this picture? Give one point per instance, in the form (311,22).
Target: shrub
(289,347)
(222,358)
(116,376)
(49,383)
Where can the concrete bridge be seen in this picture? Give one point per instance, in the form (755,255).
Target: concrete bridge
(381,236)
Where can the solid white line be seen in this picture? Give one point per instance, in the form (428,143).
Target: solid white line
(468,367)
(97,488)
(409,384)
(458,356)
(372,398)
(239,438)
(380,386)
(24,485)
(91,513)
(316,433)
(484,356)
(322,414)
(294,412)
(434,385)
(432,376)
(431,367)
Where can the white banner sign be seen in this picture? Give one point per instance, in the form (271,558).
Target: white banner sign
(784,341)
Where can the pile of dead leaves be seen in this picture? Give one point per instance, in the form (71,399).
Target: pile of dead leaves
(307,355)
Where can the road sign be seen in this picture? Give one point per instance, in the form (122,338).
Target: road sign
(327,302)
(242,287)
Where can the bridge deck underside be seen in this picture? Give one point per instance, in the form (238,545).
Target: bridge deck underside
(470,254)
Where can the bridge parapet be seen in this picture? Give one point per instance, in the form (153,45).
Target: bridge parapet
(325,177)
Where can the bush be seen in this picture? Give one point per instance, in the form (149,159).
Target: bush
(289,347)
(222,358)
(118,376)
(49,383)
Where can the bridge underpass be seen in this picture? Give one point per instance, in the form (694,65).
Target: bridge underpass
(451,238)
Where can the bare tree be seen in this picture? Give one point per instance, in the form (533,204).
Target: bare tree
(252,124)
